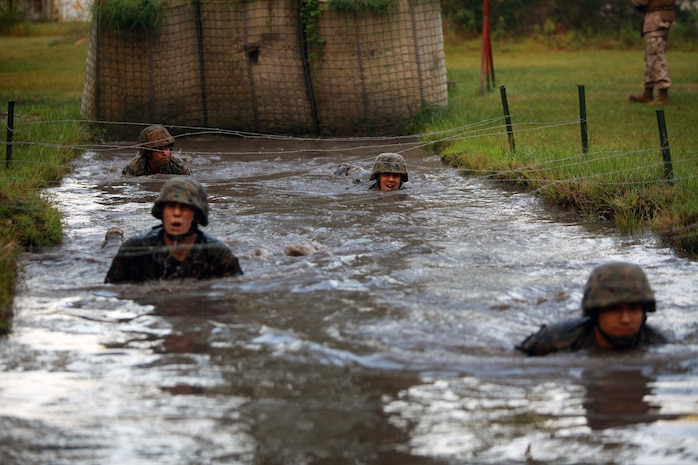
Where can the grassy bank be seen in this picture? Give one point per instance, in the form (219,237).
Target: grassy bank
(620,180)
(41,70)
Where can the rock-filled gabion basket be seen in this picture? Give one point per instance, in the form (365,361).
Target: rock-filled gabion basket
(268,66)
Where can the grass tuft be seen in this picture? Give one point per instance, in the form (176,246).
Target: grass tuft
(42,71)
(129,16)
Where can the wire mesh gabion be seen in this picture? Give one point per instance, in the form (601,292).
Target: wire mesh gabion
(247,66)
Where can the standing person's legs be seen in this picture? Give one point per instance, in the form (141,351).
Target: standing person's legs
(656,66)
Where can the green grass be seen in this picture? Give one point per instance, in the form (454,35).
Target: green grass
(124,16)
(621,179)
(41,69)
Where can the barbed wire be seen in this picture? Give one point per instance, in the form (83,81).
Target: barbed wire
(400,144)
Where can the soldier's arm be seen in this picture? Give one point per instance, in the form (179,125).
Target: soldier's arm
(126,265)
(229,264)
(538,343)
(219,258)
(133,168)
(566,335)
(179,166)
(116,270)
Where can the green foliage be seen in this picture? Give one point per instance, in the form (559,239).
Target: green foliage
(686,26)
(512,18)
(34,222)
(677,227)
(360,6)
(40,159)
(129,16)
(9,17)
(310,16)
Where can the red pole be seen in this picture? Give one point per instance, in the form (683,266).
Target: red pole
(486,63)
(489,50)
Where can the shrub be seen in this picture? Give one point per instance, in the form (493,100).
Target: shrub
(125,16)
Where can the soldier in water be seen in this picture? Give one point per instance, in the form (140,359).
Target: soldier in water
(389,172)
(176,248)
(155,155)
(617,299)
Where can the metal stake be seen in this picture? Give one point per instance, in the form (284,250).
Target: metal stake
(507,118)
(666,152)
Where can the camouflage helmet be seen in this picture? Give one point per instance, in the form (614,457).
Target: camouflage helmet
(389,163)
(186,191)
(155,137)
(616,283)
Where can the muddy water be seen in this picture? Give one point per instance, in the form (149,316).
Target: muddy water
(367,328)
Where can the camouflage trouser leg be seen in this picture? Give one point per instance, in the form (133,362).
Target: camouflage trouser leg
(656,66)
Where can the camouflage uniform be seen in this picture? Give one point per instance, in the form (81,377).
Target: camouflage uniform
(576,334)
(658,16)
(138,166)
(608,285)
(154,137)
(388,163)
(147,256)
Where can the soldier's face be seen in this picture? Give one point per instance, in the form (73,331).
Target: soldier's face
(177,218)
(389,181)
(622,320)
(160,157)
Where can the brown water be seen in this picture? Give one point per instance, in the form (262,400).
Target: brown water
(389,341)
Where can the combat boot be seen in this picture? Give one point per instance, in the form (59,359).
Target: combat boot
(662,98)
(646,97)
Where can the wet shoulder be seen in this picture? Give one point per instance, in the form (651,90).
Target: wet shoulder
(135,167)
(570,334)
(653,336)
(178,166)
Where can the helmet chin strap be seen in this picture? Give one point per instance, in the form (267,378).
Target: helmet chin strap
(180,237)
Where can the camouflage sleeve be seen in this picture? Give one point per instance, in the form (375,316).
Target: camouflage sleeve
(226,264)
(232,266)
(538,343)
(178,166)
(134,262)
(210,259)
(118,270)
(135,167)
(652,336)
(567,335)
